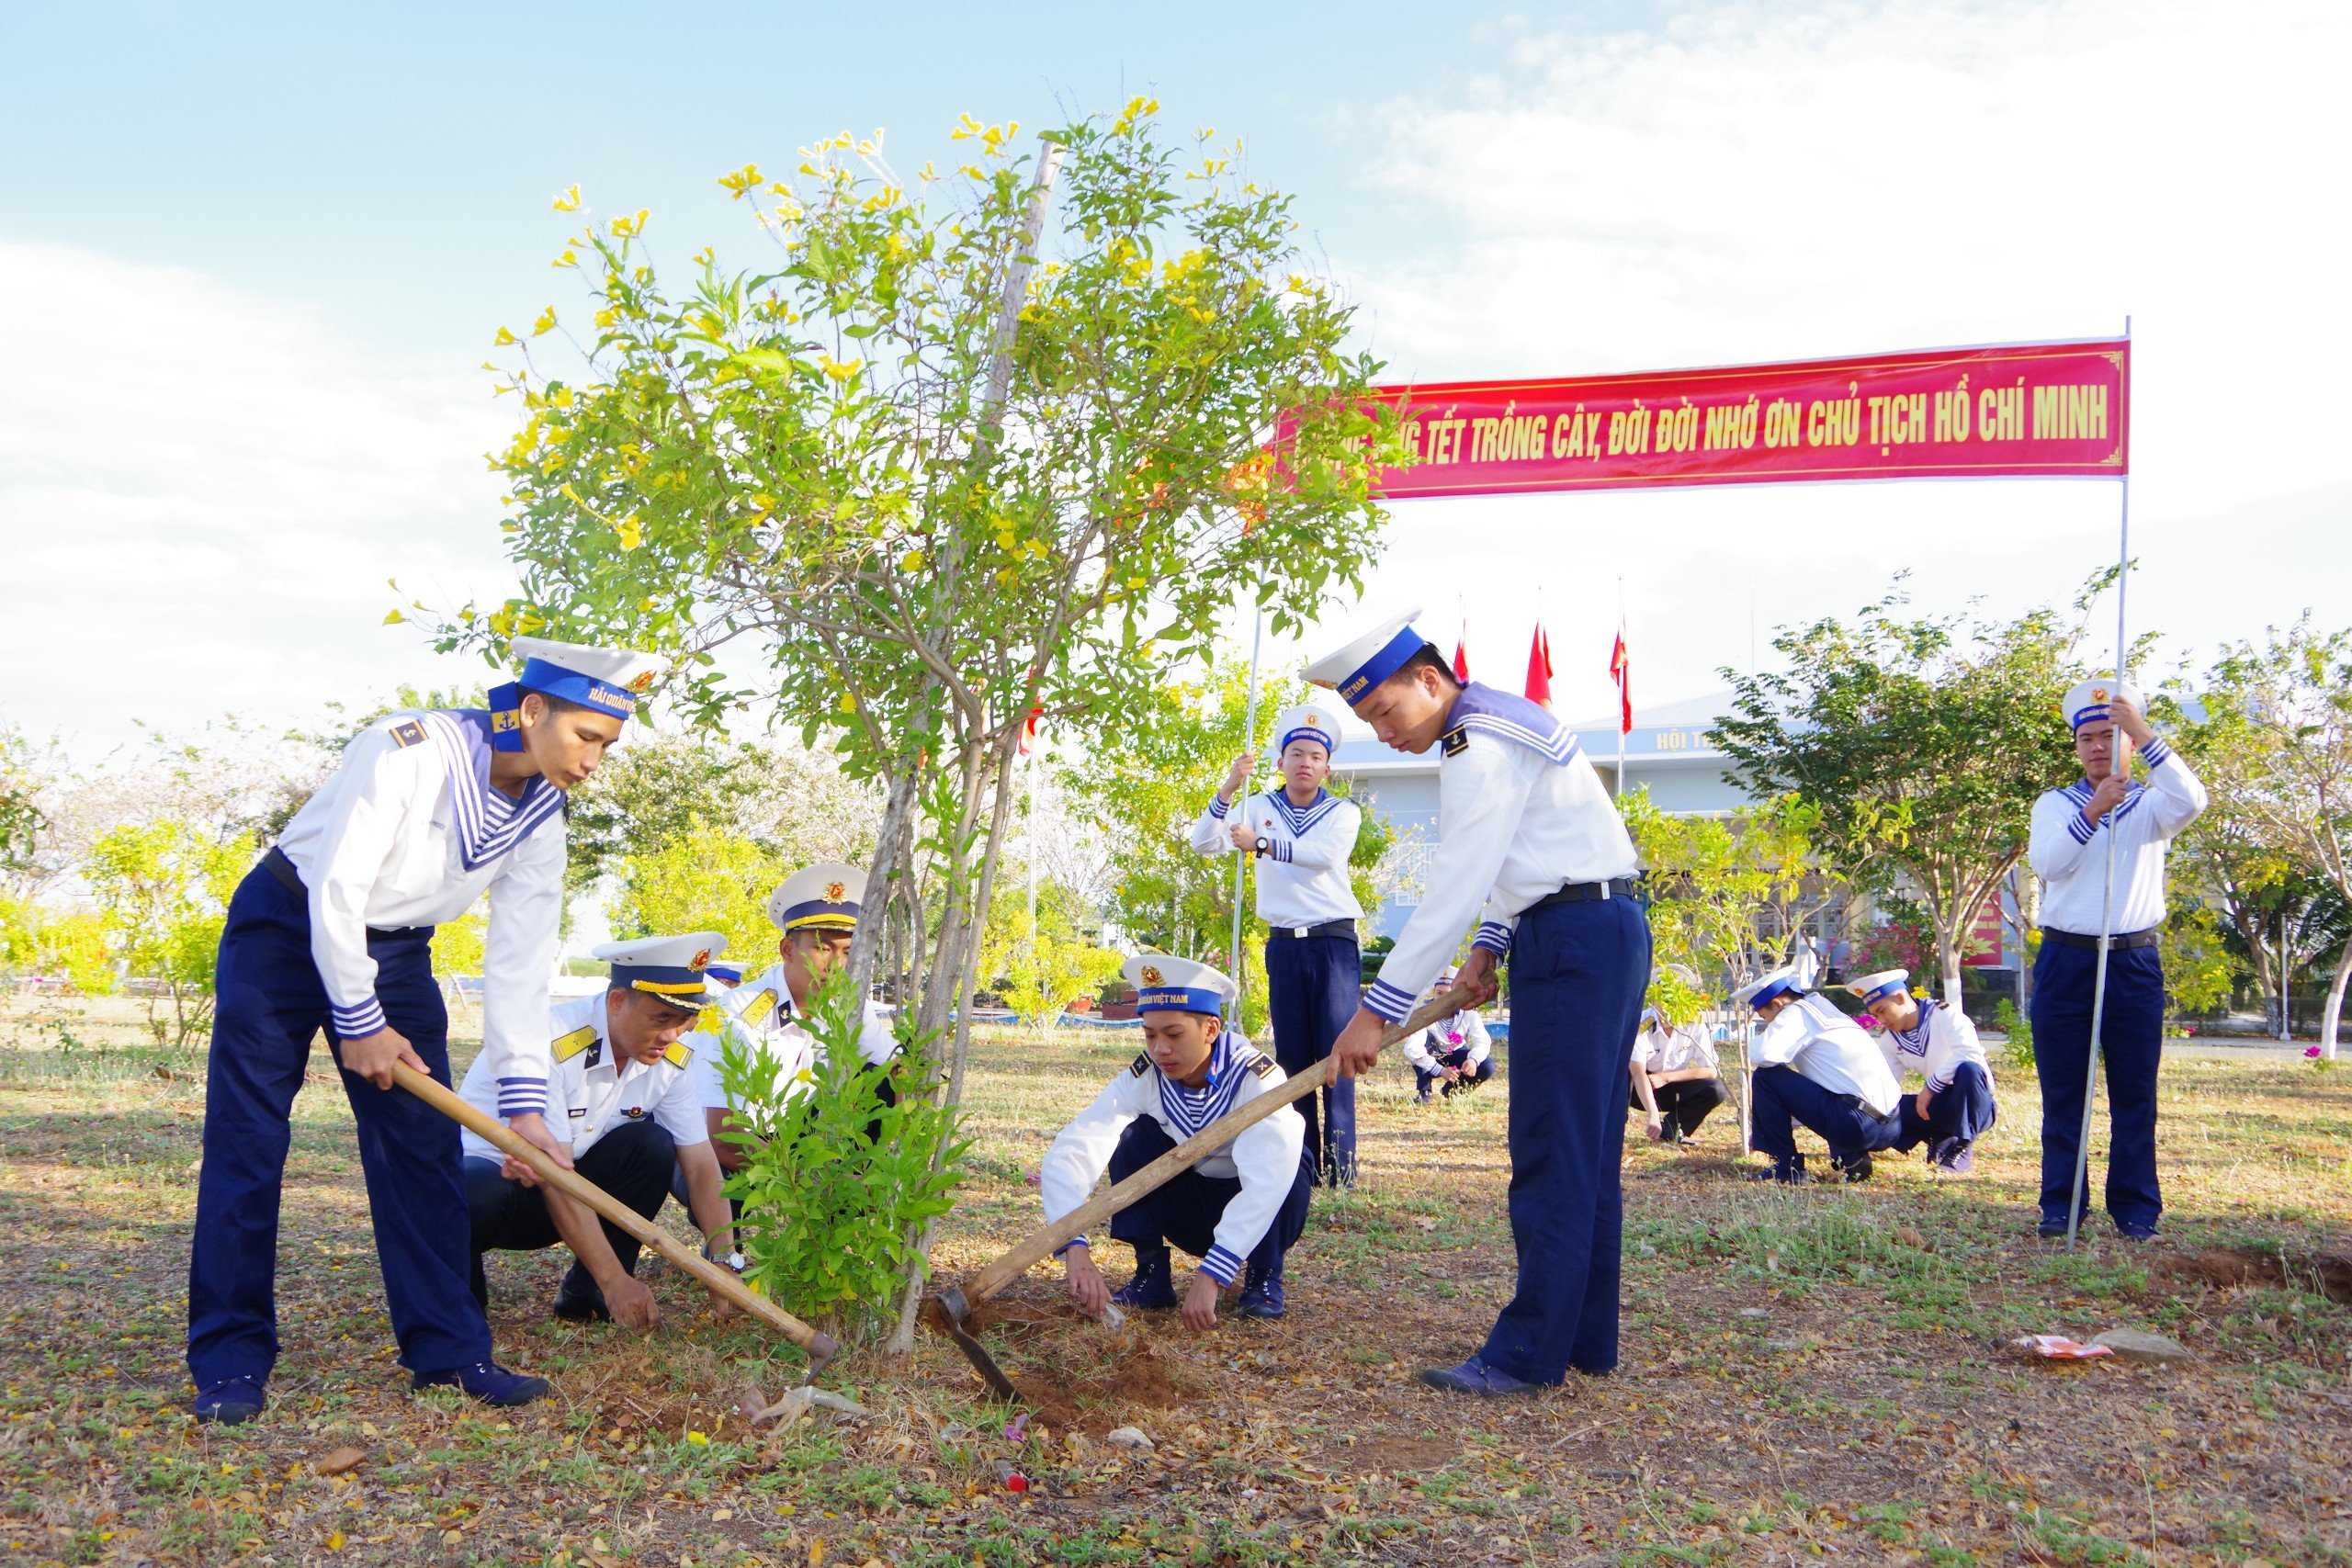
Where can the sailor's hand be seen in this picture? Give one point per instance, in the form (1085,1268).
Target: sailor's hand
(1200,1302)
(1244,836)
(1926,1097)
(1656,1128)
(1084,1282)
(2105,797)
(2127,717)
(1476,973)
(1357,1049)
(631,1304)
(1238,774)
(533,1129)
(372,1055)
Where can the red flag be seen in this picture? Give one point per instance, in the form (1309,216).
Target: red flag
(1620,670)
(1462,657)
(1029,729)
(1539,669)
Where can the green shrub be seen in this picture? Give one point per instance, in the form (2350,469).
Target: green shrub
(2020,1030)
(836,1186)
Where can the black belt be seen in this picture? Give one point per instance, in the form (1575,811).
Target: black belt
(1586,893)
(1329,927)
(2122,940)
(278,865)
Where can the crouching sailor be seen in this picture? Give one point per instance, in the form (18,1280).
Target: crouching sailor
(1245,1204)
(622,1101)
(1955,1107)
(425,814)
(1815,1068)
(1453,1056)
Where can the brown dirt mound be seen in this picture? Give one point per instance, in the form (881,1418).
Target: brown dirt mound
(2224,1268)
(1074,1373)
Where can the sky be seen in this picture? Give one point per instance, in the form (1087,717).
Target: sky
(252,257)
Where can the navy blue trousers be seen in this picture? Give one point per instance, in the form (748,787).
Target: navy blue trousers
(1784,1096)
(1313,986)
(1184,1213)
(1962,1108)
(2133,1036)
(271,1006)
(1576,975)
(632,1163)
(1472,1076)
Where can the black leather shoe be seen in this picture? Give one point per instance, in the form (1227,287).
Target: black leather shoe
(232,1402)
(578,1300)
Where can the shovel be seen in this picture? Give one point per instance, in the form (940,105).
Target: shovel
(820,1347)
(948,1310)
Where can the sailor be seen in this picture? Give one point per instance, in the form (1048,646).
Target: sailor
(1954,1106)
(1815,1068)
(815,912)
(1453,1056)
(623,1107)
(727,976)
(1239,1209)
(2069,849)
(425,814)
(1526,834)
(1302,835)
(1676,1074)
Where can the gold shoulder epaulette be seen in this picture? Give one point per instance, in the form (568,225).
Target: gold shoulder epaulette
(759,1006)
(1454,741)
(679,1054)
(566,1047)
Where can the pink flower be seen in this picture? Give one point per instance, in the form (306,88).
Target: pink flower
(2312,1053)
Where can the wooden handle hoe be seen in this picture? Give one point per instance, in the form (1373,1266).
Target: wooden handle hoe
(820,1348)
(950,1308)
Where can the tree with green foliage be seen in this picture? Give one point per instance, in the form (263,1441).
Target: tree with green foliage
(1728,895)
(2199,971)
(162,890)
(1922,742)
(704,879)
(933,469)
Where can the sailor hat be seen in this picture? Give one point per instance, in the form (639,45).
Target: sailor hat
(1308,721)
(1167,983)
(1886,982)
(825,897)
(2087,703)
(674,968)
(1768,988)
(1368,658)
(606,680)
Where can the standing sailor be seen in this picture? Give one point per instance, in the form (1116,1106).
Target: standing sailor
(1954,1106)
(1302,835)
(2071,828)
(1526,831)
(427,813)
(1453,1056)
(1815,1068)
(1244,1205)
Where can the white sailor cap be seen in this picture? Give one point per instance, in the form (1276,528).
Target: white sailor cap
(1369,658)
(1768,988)
(825,897)
(1164,983)
(671,967)
(1308,721)
(1886,982)
(2086,704)
(608,679)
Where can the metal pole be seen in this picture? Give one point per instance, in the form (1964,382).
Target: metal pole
(2106,896)
(1248,743)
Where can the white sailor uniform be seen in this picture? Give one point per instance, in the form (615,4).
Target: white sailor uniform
(1943,1049)
(1246,1203)
(1815,1067)
(760,1016)
(2069,854)
(1663,1047)
(1531,846)
(1458,1041)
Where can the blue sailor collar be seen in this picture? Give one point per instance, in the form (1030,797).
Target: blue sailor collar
(1302,817)
(1190,1109)
(2081,790)
(1914,1041)
(1507,718)
(489,821)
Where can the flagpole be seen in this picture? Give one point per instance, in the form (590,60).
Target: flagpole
(2106,895)
(1627,655)
(1240,859)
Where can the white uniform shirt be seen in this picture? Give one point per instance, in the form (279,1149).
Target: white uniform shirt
(408,831)
(1462,1029)
(2069,854)
(1943,1039)
(590,1090)
(1664,1049)
(1265,1157)
(1303,875)
(1830,1049)
(760,1013)
(1515,823)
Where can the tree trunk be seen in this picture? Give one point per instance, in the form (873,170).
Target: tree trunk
(2285,1012)
(2331,1019)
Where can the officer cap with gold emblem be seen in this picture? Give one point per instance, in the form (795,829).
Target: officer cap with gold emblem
(608,679)
(2087,703)
(674,968)
(1167,983)
(1309,721)
(1876,986)
(1369,658)
(823,898)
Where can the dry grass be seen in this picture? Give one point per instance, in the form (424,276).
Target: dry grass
(1813,1375)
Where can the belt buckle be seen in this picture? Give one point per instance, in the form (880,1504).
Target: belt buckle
(1300,931)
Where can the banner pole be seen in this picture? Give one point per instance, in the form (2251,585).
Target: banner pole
(1240,860)
(2106,896)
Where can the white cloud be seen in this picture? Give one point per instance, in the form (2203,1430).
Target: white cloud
(1757,182)
(202,495)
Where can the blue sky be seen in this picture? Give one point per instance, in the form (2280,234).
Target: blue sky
(251,257)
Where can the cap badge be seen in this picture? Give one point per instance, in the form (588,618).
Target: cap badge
(835,892)
(1151,976)
(644,682)
(700,959)
(2098,694)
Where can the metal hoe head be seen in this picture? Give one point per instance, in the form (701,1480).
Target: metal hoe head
(947,1312)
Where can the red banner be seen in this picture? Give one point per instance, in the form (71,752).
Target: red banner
(2025,411)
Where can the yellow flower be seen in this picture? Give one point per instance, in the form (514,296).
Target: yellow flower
(546,323)
(569,201)
(699,1439)
(335,1541)
(570,257)
(504,337)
